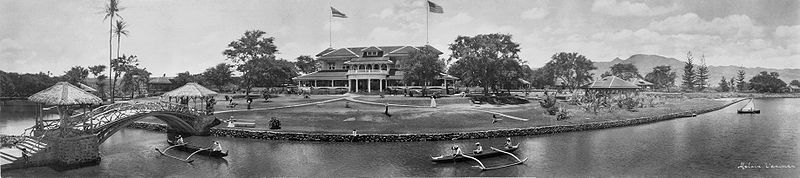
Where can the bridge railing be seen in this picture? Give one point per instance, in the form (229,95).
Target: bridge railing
(110,113)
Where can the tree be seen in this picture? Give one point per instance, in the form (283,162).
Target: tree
(541,78)
(732,84)
(422,67)
(76,75)
(120,29)
(121,65)
(183,78)
(111,10)
(218,76)
(767,82)
(483,60)
(101,79)
(723,85)
(795,83)
(248,52)
(571,68)
(661,77)
(701,77)
(306,64)
(624,71)
(134,80)
(688,73)
(740,83)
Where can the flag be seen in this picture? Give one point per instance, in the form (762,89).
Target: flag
(336,13)
(435,8)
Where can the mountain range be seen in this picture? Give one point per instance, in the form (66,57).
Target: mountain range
(645,64)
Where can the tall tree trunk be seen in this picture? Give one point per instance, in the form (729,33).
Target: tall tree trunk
(110,58)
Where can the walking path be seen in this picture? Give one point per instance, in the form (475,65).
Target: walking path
(501,114)
(282,107)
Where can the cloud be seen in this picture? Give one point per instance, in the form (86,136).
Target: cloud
(739,26)
(535,13)
(789,36)
(406,15)
(626,8)
(13,51)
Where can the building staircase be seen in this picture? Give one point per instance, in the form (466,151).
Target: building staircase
(26,148)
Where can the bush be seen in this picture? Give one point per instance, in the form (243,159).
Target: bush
(562,114)
(628,103)
(549,104)
(552,110)
(274,123)
(498,99)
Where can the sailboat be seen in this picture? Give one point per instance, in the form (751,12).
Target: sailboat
(749,108)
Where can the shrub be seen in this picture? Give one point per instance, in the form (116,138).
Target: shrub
(274,123)
(562,114)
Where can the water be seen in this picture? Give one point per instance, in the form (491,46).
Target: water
(712,144)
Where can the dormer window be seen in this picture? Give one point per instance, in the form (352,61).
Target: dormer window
(373,53)
(331,66)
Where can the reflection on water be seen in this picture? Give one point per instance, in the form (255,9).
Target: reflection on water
(712,144)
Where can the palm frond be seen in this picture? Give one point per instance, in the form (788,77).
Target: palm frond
(121,28)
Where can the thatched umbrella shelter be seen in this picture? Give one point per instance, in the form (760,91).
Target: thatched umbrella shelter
(192,91)
(64,95)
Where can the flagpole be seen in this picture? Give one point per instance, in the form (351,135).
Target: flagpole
(330,26)
(427,12)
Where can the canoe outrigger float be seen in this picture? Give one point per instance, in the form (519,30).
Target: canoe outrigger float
(191,149)
(488,153)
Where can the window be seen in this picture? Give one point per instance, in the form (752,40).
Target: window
(331,66)
(373,54)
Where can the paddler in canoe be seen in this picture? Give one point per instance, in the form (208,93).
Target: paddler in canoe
(479,149)
(179,140)
(458,150)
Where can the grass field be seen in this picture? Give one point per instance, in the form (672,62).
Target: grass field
(453,114)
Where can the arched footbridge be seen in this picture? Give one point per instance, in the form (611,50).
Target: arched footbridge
(76,140)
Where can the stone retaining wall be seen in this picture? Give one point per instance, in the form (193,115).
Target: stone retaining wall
(272,135)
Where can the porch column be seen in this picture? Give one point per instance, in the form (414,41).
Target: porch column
(349,85)
(315,83)
(369,85)
(331,83)
(356,85)
(381,81)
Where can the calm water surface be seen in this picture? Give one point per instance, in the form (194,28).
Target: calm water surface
(712,144)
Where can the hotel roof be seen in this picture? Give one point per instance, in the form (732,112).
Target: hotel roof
(387,51)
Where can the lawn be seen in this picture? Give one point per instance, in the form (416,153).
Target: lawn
(454,114)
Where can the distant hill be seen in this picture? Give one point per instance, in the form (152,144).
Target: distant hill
(645,63)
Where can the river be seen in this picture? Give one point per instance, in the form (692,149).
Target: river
(713,144)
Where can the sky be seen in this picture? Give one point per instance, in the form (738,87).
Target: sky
(176,36)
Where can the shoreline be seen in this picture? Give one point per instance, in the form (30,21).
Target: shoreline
(415,137)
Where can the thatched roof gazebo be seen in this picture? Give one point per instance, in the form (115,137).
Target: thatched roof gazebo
(63,95)
(192,91)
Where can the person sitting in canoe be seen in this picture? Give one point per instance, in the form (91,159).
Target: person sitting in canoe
(179,140)
(458,150)
(217,146)
(508,143)
(479,149)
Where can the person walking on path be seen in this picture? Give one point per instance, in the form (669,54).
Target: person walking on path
(387,110)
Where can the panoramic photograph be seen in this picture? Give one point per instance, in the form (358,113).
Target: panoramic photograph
(400,88)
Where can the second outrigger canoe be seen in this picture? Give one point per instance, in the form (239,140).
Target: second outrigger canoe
(484,154)
(203,151)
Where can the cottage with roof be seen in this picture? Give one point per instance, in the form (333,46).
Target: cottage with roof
(366,69)
(613,84)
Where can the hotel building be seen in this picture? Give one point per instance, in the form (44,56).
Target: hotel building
(367,69)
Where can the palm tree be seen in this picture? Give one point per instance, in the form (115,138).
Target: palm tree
(119,30)
(112,9)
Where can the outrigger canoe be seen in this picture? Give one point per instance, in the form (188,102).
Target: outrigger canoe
(484,154)
(202,150)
